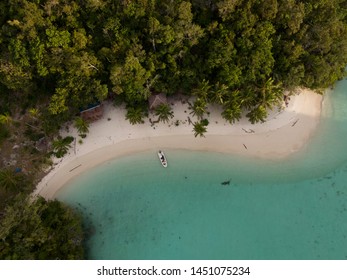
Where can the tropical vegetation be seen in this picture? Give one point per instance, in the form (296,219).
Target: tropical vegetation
(164,112)
(10,180)
(135,115)
(58,56)
(237,53)
(200,128)
(40,230)
(82,126)
(61,146)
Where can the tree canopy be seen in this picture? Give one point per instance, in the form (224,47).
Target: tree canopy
(74,53)
(40,230)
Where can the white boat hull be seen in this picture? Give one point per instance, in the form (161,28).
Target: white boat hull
(162,159)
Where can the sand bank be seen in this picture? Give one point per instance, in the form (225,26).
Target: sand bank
(282,134)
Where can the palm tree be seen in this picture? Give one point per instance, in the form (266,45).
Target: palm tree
(258,114)
(203,90)
(200,128)
(81,125)
(268,95)
(233,106)
(247,98)
(5,118)
(61,146)
(232,114)
(34,113)
(199,108)
(9,180)
(135,115)
(164,112)
(219,93)
(271,94)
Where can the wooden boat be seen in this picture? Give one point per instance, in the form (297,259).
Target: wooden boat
(162,158)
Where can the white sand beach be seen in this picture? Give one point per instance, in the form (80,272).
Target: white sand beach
(283,133)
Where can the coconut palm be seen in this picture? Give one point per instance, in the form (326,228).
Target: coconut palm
(5,118)
(218,95)
(164,112)
(203,90)
(266,96)
(135,115)
(258,114)
(9,180)
(61,146)
(34,113)
(199,108)
(247,98)
(232,114)
(81,125)
(271,94)
(200,128)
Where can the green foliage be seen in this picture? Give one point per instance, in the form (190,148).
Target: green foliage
(61,146)
(4,133)
(81,125)
(40,230)
(257,114)
(76,52)
(5,119)
(239,54)
(219,93)
(52,123)
(270,94)
(164,112)
(34,113)
(198,108)
(232,114)
(58,102)
(58,38)
(33,134)
(11,181)
(130,78)
(14,77)
(135,115)
(200,128)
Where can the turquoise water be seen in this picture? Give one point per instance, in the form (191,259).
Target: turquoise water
(290,209)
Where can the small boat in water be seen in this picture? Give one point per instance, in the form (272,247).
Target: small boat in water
(162,158)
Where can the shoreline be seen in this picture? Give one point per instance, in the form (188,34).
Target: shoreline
(283,134)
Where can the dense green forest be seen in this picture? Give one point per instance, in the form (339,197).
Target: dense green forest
(237,53)
(58,56)
(35,228)
(40,230)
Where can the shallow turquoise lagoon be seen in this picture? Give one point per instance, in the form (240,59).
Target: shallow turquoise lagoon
(290,209)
